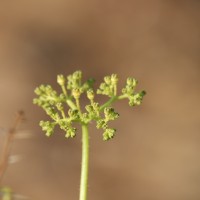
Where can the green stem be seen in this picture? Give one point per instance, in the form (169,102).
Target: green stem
(71,104)
(84,163)
(123,96)
(109,102)
(64,90)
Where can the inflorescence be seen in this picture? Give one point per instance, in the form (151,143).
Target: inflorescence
(72,87)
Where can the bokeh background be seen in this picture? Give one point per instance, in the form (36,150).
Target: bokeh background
(156,153)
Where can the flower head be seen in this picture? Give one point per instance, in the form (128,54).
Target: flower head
(55,104)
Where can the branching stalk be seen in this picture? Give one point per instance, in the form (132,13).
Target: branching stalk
(109,102)
(49,100)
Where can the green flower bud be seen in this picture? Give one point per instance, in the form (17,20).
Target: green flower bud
(108,134)
(107,80)
(42,87)
(69,82)
(114,79)
(71,132)
(137,98)
(130,89)
(102,86)
(131,82)
(110,113)
(48,90)
(101,124)
(61,80)
(109,87)
(90,94)
(93,110)
(37,91)
(131,102)
(63,125)
(48,127)
(77,75)
(74,80)
(76,93)
(95,106)
(50,111)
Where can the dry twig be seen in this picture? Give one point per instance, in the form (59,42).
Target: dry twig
(4,159)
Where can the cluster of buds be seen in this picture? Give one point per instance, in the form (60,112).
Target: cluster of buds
(109,114)
(52,103)
(46,96)
(109,86)
(72,87)
(129,92)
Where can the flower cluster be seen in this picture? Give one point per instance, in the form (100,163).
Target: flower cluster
(55,105)
(129,92)
(109,86)
(109,114)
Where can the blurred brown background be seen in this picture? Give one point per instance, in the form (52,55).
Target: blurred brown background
(156,153)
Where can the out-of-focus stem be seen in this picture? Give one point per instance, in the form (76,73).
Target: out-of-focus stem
(7,144)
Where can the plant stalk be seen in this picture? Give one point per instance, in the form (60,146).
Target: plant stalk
(109,102)
(84,163)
